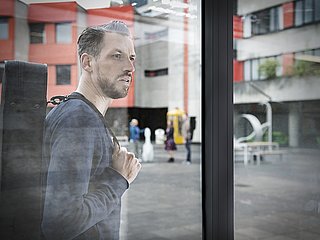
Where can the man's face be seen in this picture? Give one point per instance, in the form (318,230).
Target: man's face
(113,68)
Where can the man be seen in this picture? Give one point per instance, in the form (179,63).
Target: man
(135,137)
(87,171)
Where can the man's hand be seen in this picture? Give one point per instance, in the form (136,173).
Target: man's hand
(125,163)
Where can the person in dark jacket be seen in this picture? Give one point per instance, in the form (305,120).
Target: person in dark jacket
(170,145)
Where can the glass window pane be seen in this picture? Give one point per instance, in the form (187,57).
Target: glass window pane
(308,11)
(247,70)
(298,13)
(247,26)
(279,69)
(63,73)
(262,22)
(317,10)
(273,20)
(63,32)
(277,121)
(279,20)
(262,74)
(255,69)
(139,85)
(37,34)
(317,52)
(4,29)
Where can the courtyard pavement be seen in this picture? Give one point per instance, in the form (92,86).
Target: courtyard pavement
(278,199)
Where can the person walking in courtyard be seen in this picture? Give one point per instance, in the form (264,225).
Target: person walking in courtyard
(170,145)
(186,133)
(134,138)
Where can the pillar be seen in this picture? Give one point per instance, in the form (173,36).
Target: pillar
(294,124)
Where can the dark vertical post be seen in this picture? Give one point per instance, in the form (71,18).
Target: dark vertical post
(217,119)
(23,109)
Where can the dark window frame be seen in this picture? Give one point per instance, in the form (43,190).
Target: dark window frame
(63,80)
(156,73)
(217,120)
(314,20)
(303,14)
(37,39)
(275,23)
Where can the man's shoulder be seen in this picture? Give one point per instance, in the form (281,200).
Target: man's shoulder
(73,111)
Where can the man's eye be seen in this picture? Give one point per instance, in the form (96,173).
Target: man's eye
(117,56)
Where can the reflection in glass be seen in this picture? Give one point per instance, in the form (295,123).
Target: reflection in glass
(63,32)
(276,127)
(165,200)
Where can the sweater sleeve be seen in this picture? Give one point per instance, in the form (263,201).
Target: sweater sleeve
(72,205)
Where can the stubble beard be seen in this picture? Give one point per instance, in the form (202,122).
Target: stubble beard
(109,88)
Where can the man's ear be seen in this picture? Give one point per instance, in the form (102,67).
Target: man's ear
(86,62)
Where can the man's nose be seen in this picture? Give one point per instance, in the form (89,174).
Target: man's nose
(129,66)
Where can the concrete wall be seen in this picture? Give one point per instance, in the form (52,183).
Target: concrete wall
(168,51)
(249,6)
(21,32)
(287,41)
(151,92)
(280,90)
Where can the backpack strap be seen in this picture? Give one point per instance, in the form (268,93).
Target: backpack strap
(56,100)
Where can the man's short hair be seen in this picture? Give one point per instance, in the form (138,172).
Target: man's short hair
(91,39)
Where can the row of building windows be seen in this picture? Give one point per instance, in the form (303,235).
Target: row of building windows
(271,19)
(252,67)
(37,31)
(63,33)
(307,11)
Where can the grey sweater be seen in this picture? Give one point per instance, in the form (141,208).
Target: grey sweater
(82,198)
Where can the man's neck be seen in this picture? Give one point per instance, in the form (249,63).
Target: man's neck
(94,96)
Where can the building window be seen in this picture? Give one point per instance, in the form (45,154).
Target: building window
(266,21)
(247,27)
(253,71)
(307,11)
(247,70)
(63,74)
(317,10)
(4,29)
(298,13)
(156,73)
(63,33)
(37,33)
